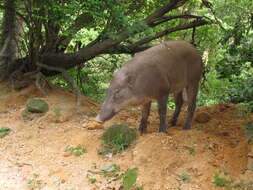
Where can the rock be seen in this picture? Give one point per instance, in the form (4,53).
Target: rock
(202,117)
(26,115)
(251,153)
(37,106)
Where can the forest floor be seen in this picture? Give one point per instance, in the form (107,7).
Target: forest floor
(32,155)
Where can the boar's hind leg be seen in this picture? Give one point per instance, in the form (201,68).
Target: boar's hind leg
(178,98)
(162,110)
(144,118)
(192,92)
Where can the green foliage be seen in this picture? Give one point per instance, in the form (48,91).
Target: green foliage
(111,171)
(76,151)
(200,127)
(34,182)
(185,177)
(4,131)
(57,112)
(242,91)
(116,139)
(191,150)
(244,185)
(236,37)
(221,181)
(237,89)
(129,178)
(92,180)
(95,75)
(114,173)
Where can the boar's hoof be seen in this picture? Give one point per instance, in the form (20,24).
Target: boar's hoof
(163,129)
(171,124)
(143,128)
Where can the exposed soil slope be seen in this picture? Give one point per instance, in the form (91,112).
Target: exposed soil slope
(32,156)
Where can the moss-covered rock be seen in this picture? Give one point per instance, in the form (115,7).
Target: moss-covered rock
(37,106)
(26,115)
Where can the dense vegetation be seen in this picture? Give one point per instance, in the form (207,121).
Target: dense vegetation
(90,39)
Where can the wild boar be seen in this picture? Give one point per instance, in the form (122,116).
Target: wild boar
(153,74)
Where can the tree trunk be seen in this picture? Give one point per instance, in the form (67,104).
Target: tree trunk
(8,39)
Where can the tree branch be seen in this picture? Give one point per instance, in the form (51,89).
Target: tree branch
(138,46)
(80,22)
(173,4)
(168,18)
(121,49)
(100,47)
(195,23)
(136,6)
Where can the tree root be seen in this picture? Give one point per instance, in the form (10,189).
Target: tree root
(16,76)
(39,78)
(67,77)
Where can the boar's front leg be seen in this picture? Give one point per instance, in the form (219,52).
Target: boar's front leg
(144,118)
(192,92)
(162,110)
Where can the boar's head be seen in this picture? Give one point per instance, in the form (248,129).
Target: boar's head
(121,93)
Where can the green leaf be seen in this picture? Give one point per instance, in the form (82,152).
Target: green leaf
(129,178)
(92,180)
(4,131)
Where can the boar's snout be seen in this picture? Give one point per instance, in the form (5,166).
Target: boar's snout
(105,114)
(98,119)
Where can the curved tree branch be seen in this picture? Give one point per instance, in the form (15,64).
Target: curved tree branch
(173,4)
(168,18)
(138,46)
(195,23)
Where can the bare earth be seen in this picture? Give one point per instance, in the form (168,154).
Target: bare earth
(32,156)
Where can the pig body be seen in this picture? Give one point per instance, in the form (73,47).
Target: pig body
(152,75)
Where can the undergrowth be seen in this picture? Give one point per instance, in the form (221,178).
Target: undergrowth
(116,139)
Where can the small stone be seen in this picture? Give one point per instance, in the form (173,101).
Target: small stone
(250,154)
(202,117)
(250,164)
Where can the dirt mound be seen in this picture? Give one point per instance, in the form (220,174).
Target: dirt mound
(33,154)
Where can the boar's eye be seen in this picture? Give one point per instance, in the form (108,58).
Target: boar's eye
(117,93)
